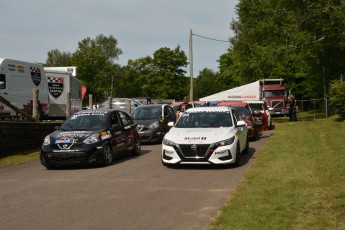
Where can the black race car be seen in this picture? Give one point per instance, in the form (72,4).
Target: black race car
(91,137)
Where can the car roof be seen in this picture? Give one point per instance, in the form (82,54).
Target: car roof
(232,103)
(152,105)
(209,109)
(98,111)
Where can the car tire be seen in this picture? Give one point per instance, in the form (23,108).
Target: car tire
(46,163)
(136,148)
(107,156)
(238,156)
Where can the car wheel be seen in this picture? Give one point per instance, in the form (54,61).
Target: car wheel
(238,156)
(46,163)
(136,148)
(107,156)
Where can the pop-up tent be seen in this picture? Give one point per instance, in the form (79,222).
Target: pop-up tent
(249,91)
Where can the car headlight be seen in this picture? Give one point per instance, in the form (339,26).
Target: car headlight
(94,138)
(154,125)
(225,142)
(46,140)
(168,143)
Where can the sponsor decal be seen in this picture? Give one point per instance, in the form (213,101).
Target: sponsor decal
(242,97)
(75,134)
(194,138)
(11,67)
(55,86)
(105,135)
(35,75)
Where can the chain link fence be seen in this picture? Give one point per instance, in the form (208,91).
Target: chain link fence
(309,110)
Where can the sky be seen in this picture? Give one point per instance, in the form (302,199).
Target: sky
(30,29)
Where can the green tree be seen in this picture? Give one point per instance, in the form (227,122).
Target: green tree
(205,84)
(299,41)
(94,59)
(337,97)
(58,58)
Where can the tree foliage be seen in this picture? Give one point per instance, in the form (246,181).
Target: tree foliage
(337,97)
(299,41)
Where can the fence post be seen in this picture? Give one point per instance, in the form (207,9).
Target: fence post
(68,105)
(90,101)
(35,93)
(110,102)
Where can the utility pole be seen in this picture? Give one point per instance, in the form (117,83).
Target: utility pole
(191,65)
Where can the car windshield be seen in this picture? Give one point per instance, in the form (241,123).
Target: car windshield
(256,106)
(204,120)
(85,121)
(147,113)
(242,111)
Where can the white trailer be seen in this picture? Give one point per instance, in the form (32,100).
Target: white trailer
(63,85)
(18,80)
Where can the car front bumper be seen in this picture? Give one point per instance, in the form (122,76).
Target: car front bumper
(205,154)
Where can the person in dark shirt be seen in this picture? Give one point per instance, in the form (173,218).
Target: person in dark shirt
(183,106)
(292,108)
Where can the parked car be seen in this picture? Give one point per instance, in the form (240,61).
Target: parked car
(253,119)
(152,121)
(206,135)
(266,112)
(124,104)
(91,137)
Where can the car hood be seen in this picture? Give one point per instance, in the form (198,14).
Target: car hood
(199,135)
(145,122)
(59,137)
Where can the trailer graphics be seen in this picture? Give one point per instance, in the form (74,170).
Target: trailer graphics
(55,86)
(18,79)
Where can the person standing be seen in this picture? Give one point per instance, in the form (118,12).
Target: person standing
(183,107)
(292,108)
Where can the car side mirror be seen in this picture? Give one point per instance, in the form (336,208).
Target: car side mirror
(241,123)
(257,113)
(171,124)
(270,109)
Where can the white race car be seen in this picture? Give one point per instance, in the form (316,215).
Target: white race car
(206,135)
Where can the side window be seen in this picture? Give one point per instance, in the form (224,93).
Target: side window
(2,81)
(114,119)
(171,112)
(126,119)
(236,117)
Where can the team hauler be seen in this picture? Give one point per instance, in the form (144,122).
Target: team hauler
(63,85)
(271,91)
(18,79)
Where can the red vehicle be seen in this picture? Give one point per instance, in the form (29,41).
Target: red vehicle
(253,119)
(266,113)
(272,91)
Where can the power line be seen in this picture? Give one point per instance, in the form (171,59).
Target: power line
(211,38)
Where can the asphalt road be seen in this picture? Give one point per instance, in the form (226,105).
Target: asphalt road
(133,193)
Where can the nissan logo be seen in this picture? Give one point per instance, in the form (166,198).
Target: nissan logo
(194,147)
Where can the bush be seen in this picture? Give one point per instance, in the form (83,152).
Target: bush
(337,97)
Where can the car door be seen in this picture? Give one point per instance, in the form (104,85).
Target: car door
(118,139)
(129,130)
(241,131)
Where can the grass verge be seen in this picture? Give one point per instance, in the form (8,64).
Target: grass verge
(19,158)
(297,181)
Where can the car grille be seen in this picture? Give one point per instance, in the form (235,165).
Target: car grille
(67,157)
(277,104)
(194,151)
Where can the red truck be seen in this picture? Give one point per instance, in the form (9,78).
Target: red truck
(272,91)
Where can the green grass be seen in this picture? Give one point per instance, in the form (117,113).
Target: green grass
(296,182)
(19,158)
